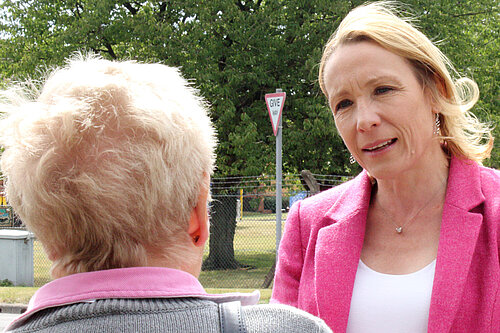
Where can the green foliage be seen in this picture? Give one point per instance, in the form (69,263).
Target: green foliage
(469,34)
(270,204)
(6,283)
(253,204)
(237,51)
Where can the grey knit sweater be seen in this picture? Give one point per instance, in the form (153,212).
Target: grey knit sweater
(165,315)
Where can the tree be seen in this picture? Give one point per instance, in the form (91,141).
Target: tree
(223,225)
(239,50)
(236,50)
(469,34)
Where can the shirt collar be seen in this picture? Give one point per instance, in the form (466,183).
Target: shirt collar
(134,282)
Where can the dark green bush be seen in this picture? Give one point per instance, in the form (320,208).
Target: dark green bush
(6,283)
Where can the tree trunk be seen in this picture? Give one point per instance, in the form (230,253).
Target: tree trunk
(222,229)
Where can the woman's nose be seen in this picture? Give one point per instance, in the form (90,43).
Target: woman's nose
(367,117)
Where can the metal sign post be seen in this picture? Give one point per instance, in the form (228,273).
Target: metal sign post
(275,103)
(279,184)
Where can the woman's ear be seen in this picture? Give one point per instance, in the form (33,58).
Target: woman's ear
(198,228)
(439,89)
(440,86)
(435,89)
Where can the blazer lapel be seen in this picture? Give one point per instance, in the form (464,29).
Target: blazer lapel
(338,250)
(459,232)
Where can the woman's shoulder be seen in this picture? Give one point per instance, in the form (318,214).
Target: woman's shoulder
(490,187)
(490,177)
(473,184)
(465,171)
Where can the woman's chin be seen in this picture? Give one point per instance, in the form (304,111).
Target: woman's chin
(383,170)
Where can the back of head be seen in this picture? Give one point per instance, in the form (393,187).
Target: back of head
(107,161)
(381,22)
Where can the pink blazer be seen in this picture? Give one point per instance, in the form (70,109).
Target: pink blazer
(321,246)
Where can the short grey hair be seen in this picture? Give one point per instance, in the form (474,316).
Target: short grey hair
(107,161)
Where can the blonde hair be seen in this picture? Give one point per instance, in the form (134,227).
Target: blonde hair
(107,162)
(465,136)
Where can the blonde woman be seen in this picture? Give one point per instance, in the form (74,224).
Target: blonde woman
(109,166)
(412,243)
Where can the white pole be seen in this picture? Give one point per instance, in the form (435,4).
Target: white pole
(278,181)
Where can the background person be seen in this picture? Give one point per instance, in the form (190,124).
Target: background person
(412,243)
(109,166)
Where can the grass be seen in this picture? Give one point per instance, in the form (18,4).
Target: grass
(22,295)
(254,245)
(265,294)
(41,265)
(16,294)
(241,278)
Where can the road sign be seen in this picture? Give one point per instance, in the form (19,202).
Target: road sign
(275,103)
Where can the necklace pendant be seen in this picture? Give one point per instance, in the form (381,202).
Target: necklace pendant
(399,230)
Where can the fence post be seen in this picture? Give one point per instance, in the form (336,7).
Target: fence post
(241,200)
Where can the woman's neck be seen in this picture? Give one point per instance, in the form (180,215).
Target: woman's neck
(411,190)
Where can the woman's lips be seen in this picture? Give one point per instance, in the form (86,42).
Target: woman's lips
(380,146)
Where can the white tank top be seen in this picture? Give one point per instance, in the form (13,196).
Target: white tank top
(390,303)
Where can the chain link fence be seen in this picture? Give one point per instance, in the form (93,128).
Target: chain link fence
(242,247)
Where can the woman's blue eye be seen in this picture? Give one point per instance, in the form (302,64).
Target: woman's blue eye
(343,104)
(382,90)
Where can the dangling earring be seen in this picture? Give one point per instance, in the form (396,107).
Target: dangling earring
(352,160)
(437,126)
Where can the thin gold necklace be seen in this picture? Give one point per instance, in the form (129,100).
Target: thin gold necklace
(399,228)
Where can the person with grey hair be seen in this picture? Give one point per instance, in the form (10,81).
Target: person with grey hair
(109,165)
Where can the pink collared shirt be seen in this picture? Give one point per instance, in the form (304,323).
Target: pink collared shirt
(135,282)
